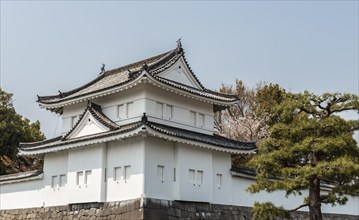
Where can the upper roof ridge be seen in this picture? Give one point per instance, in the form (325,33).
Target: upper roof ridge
(138,65)
(108,81)
(132,67)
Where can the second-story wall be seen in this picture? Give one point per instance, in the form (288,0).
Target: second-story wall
(160,106)
(179,111)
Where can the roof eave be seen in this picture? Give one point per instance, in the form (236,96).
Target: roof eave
(94,95)
(197,143)
(141,130)
(144,77)
(39,150)
(37,175)
(183,92)
(160,57)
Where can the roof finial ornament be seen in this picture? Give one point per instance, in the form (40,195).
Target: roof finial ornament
(144,118)
(60,94)
(130,73)
(179,45)
(145,67)
(103,68)
(89,103)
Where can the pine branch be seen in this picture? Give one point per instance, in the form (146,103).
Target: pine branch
(343,109)
(299,207)
(314,113)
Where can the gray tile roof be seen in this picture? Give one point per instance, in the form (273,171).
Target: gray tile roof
(18,176)
(244,172)
(108,79)
(60,141)
(125,74)
(214,140)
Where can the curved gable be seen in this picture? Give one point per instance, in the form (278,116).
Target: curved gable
(87,126)
(92,121)
(179,72)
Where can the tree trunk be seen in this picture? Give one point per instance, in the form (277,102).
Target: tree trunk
(315,212)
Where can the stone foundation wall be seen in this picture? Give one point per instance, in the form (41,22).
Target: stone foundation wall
(130,209)
(149,209)
(155,209)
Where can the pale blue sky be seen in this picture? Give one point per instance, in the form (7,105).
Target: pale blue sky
(301,45)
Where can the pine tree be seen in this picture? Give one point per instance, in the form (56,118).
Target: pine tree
(309,144)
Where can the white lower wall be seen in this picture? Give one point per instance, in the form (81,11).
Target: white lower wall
(55,164)
(180,158)
(222,192)
(159,153)
(129,152)
(82,160)
(197,159)
(21,195)
(144,155)
(242,197)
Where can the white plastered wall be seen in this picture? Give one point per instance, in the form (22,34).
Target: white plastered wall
(183,157)
(144,98)
(110,104)
(55,164)
(181,110)
(197,159)
(129,152)
(159,152)
(144,154)
(84,159)
(21,195)
(221,165)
